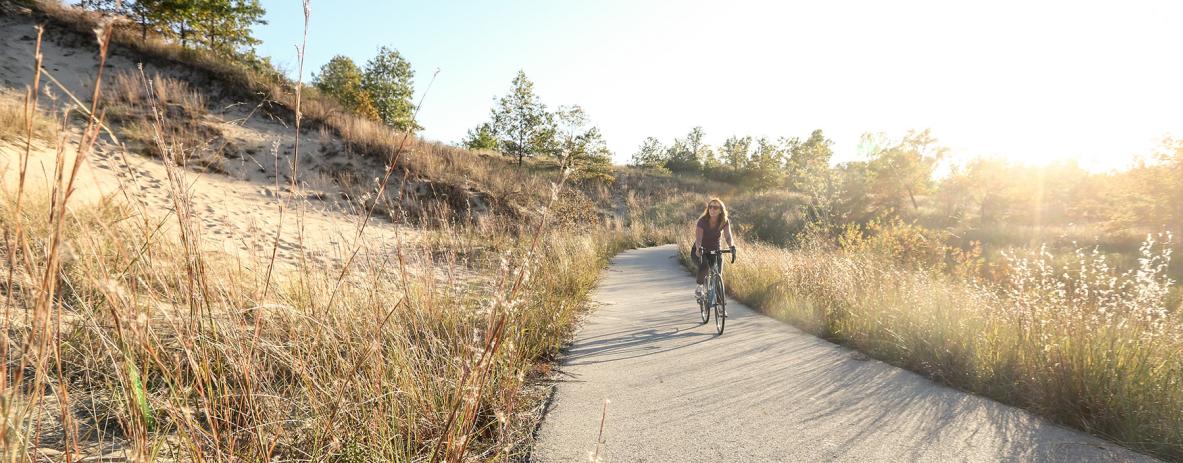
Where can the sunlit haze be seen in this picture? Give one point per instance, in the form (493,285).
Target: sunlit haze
(1029,81)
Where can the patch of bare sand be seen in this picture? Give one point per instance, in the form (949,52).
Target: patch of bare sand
(238,212)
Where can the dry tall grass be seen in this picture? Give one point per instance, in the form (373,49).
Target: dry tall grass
(12,120)
(1067,337)
(140,103)
(216,366)
(121,334)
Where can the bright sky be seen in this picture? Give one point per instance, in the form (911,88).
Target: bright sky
(1030,81)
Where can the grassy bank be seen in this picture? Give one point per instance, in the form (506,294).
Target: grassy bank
(1066,337)
(173,352)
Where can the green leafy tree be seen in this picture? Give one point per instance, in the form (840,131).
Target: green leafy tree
(810,156)
(735,152)
(481,138)
(900,171)
(388,78)
(180,16)
(521,121)
(342,79)
(765,165)
(808,168)
(690,154)
(148,14)
(651,154)
(1151,193)
(225,24)
(582,143)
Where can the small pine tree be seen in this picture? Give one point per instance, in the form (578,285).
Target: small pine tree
(521,121)
(481,138)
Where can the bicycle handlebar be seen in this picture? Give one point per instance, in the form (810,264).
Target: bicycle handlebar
(720,251)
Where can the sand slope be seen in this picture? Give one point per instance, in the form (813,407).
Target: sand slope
(239,210)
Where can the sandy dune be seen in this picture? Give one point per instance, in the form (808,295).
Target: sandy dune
(238,211)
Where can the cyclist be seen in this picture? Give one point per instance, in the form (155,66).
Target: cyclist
(712,225)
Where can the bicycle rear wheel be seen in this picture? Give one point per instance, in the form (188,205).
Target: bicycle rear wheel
(720,305)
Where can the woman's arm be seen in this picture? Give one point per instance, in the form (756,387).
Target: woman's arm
(697,237)
(727,234)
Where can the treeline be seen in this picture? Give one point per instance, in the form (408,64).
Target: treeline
(755,163)
(521,126)
(1147,197)
(989,200)
(894,173)
(995,202)
(221,26)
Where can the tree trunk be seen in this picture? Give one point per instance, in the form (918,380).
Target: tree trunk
(521,148)
(915,206)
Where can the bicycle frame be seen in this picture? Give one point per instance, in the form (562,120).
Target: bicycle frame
(715,296)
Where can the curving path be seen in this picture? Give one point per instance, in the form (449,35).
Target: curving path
(764,391)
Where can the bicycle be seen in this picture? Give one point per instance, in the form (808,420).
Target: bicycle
(714,296)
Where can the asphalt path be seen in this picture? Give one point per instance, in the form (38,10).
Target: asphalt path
(645,381)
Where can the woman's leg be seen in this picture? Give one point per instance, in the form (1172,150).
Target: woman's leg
(704,263)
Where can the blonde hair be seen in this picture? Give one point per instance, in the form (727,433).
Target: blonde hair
(706,213)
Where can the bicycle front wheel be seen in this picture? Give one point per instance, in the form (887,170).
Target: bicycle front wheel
(720,305)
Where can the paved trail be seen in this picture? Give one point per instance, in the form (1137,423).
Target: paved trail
(763,391)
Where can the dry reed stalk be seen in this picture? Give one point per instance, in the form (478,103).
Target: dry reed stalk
(15,245)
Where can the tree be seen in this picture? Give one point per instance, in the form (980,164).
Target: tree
(342,79)
(225,24)
(582,143)
(179,17)
(766,164)
(690,154)
(903,170)
(388,79)
(481,138)
(147,13)
(808,166)
(651,153)
(522,122)
(735,152)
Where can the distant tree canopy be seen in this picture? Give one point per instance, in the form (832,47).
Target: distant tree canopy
(382,91)
(521,126)
(222,26)
(991,191)
(756,163)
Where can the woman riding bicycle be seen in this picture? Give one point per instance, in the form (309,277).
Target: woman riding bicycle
(712,225)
